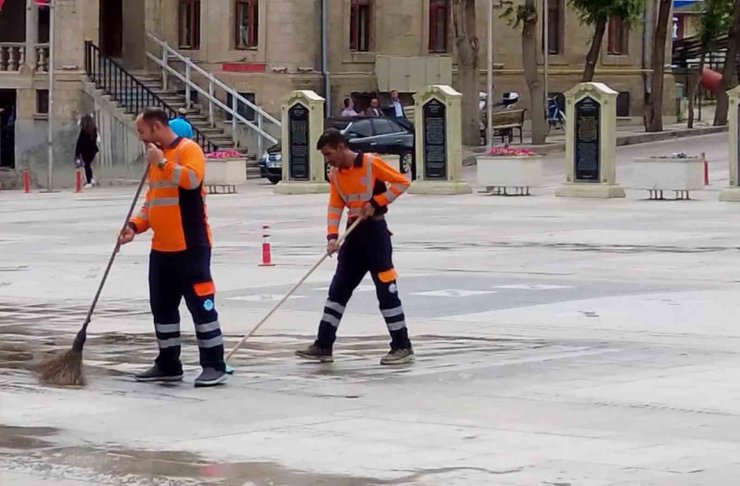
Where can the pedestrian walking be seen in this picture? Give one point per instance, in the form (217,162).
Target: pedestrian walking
(87,148)
(180,259)
(365,185)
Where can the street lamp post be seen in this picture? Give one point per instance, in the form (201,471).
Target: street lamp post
(489,82)
(546,50)
(50,70)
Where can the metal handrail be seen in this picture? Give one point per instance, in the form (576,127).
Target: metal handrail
(163,62)
(123,87)
(215,100)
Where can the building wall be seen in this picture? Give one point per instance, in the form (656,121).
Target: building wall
(290,48)
(73,18)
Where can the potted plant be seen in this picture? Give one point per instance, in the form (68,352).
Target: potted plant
(225,168)
(506,167)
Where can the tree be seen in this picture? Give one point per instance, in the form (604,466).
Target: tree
(729,72)
(597,13)
(713,19)
(467,49)
(654,107)
(526,16)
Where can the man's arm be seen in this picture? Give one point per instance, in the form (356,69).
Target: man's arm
(397,183)
(188,171)
(333,213)
(140,222)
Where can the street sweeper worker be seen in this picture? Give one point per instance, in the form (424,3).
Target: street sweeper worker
(180,259)
(365,185)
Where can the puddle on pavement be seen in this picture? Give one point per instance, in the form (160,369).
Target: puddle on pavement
(31,338)
(24,437)
(34,456)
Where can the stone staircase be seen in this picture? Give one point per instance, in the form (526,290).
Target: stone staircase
(198,118)
(216,135)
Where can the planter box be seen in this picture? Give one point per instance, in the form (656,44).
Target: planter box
(509,171)
(225,172)
(668,174)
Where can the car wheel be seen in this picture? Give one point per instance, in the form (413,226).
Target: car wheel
(274,180)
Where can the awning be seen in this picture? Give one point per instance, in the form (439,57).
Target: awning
(685,3)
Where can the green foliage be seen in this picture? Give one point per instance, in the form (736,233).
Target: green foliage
(516,15)
(714,21)
(591,11)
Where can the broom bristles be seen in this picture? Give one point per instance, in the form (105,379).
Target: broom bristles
(63,370)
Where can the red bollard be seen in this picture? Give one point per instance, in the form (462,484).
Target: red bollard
(266,249)
(78,181)
(26,181)
(706,168)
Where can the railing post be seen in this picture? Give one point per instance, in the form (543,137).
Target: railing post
(165,60)
(187,84)
(234,104)
(259,135)
(210,101)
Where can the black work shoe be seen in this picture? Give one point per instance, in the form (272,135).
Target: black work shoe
(211,377)
(315,353)
(398,356)
(155,373)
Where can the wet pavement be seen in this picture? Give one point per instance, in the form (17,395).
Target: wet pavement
(559,342)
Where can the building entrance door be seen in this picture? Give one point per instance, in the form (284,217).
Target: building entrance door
(7,127)
(111,28)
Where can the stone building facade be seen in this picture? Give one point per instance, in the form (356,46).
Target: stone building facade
(284,50)
(266,48)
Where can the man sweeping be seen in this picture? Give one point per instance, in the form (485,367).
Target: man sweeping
(180,259)
(365,185)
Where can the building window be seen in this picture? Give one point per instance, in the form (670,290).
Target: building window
(247,23)
(42,101)
(618,40)
(43,26)
(555,26)
(438,25)
(359,25)
(189,24)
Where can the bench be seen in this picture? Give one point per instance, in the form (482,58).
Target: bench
(505,122)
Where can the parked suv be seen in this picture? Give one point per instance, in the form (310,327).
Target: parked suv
(378,135)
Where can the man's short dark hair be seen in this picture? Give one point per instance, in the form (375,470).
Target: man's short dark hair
(346,102)
(151,115)
(331,137)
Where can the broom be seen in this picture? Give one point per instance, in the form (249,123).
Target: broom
(290,292)
(66,369)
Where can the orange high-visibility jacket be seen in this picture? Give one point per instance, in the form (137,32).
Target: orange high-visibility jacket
(370,179)
(175,207)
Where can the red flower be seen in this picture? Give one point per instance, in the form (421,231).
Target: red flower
(507,151)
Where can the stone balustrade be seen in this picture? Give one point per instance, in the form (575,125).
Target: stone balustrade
(13,57)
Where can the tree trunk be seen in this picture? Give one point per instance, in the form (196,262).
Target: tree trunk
(467,48)
(593,54)
(536,93)
(728,71)
(654,113)
(694,86)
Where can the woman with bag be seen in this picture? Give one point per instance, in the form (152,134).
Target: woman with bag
(87,147)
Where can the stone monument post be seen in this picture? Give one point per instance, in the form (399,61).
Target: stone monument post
(591,142)
(438,142)
(732,192)
(303,164)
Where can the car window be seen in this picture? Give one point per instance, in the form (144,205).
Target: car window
(361,128)
(384,127)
